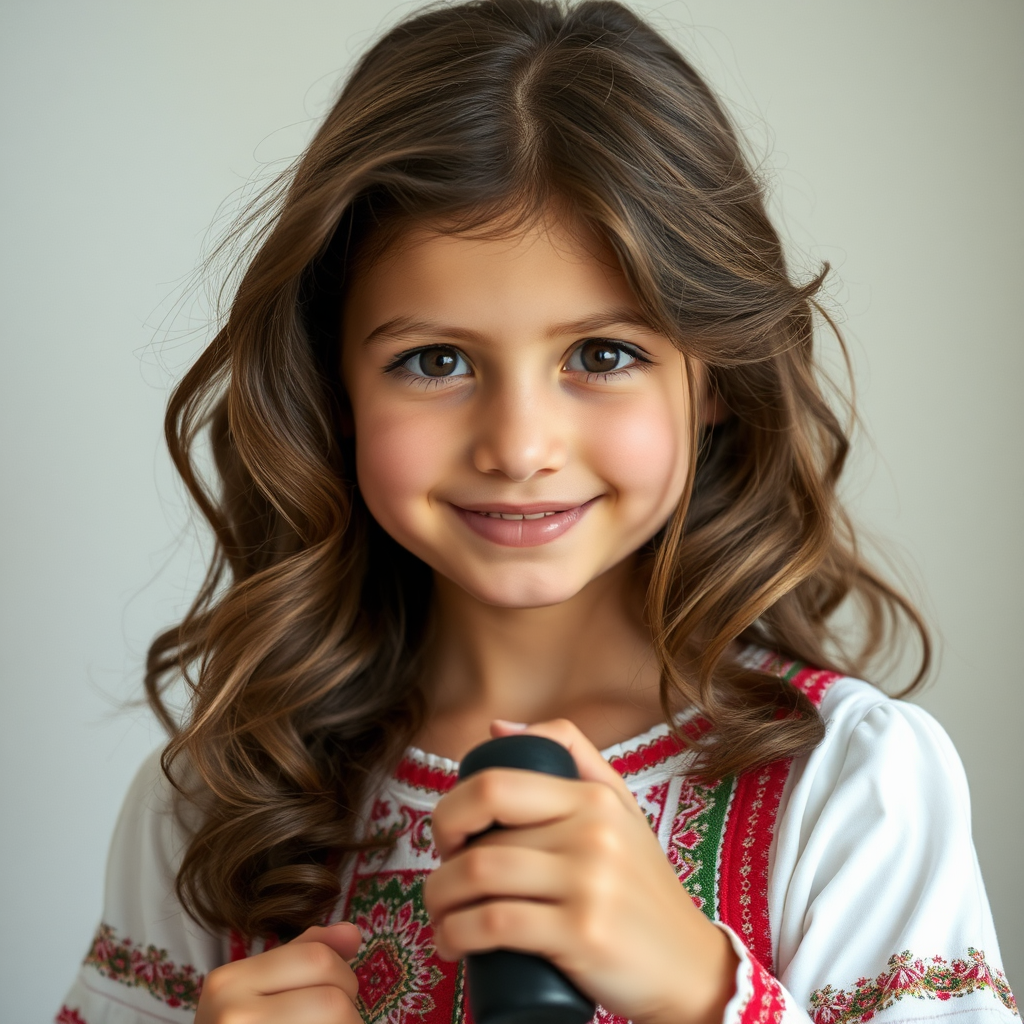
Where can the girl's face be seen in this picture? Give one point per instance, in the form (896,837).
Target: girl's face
(518,426)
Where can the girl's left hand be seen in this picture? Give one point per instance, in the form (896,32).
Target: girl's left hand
(576,876)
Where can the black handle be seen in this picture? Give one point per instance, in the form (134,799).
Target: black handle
(505,986)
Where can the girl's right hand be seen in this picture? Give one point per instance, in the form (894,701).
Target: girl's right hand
(306,981)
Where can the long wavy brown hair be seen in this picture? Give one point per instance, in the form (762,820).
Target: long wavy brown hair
(300,652)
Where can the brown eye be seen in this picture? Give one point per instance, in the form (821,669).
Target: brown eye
(600,356)
(436,362)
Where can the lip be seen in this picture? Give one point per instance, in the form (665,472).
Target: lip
(527,508)
(555,519)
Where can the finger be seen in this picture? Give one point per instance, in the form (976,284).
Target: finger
(344,938)
(489,872)
(529,927)
(589,762)
(297,965)
(509,797)
(319,1004)
(503,727)
(556,836)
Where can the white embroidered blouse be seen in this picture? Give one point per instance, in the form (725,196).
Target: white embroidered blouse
(847,881)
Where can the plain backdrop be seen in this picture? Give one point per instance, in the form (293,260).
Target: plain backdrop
(890,131)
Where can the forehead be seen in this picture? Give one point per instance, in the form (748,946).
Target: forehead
(490,279)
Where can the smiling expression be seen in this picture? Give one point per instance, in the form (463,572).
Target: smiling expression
(518,425)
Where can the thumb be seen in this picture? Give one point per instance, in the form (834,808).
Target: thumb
(344,938)
(589,762)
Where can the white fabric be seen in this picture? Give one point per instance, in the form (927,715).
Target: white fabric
(872,856)
(139,903)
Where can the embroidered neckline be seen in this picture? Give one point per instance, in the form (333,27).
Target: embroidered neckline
(434,773)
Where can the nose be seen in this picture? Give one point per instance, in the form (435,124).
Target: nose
(519,432)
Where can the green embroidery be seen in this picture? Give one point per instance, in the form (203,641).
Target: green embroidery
(702,882)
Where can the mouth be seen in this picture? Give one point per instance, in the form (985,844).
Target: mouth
(524,525)
(512,513)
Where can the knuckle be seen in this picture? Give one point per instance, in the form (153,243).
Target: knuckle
(600,839)
(602,800)
(608,843)
(591,927)
(495,920)
(217,980)
(477,865)
(318,956)
(490,787)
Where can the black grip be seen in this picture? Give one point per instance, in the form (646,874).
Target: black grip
(505,986)
(534,753)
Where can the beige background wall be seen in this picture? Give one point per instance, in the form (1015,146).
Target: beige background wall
(894,141)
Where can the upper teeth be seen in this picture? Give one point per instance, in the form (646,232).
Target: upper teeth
(517,515)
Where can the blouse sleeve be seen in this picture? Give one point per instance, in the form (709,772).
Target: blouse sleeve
(876,900)
(148,958)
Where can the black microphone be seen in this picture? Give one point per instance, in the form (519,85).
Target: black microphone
(505,986)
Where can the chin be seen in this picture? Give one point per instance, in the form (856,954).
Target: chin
(521,589)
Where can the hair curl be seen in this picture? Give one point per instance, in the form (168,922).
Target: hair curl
(300,650)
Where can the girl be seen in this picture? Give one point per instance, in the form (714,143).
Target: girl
(515,419)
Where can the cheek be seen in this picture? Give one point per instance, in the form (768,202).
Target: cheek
(398,461)
(643,451)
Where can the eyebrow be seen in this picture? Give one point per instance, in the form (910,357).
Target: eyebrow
(401,327)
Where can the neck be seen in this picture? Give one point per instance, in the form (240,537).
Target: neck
(588,659)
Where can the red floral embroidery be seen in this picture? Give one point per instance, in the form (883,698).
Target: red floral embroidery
(400,975)
(412,821)
(654,799)
(743,875)
(68,1016)
(439,780)
(766,1003)
(422,776)
(148,968)
(395,968)
(907,977)
(647,756)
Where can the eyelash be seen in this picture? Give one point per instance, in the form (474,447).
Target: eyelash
(397,368)
(397,365)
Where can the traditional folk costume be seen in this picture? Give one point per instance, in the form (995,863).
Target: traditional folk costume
(846,880)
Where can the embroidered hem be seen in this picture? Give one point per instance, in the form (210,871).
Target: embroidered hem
(147,968)
(905,976)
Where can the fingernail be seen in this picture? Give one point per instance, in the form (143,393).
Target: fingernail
(518,726)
